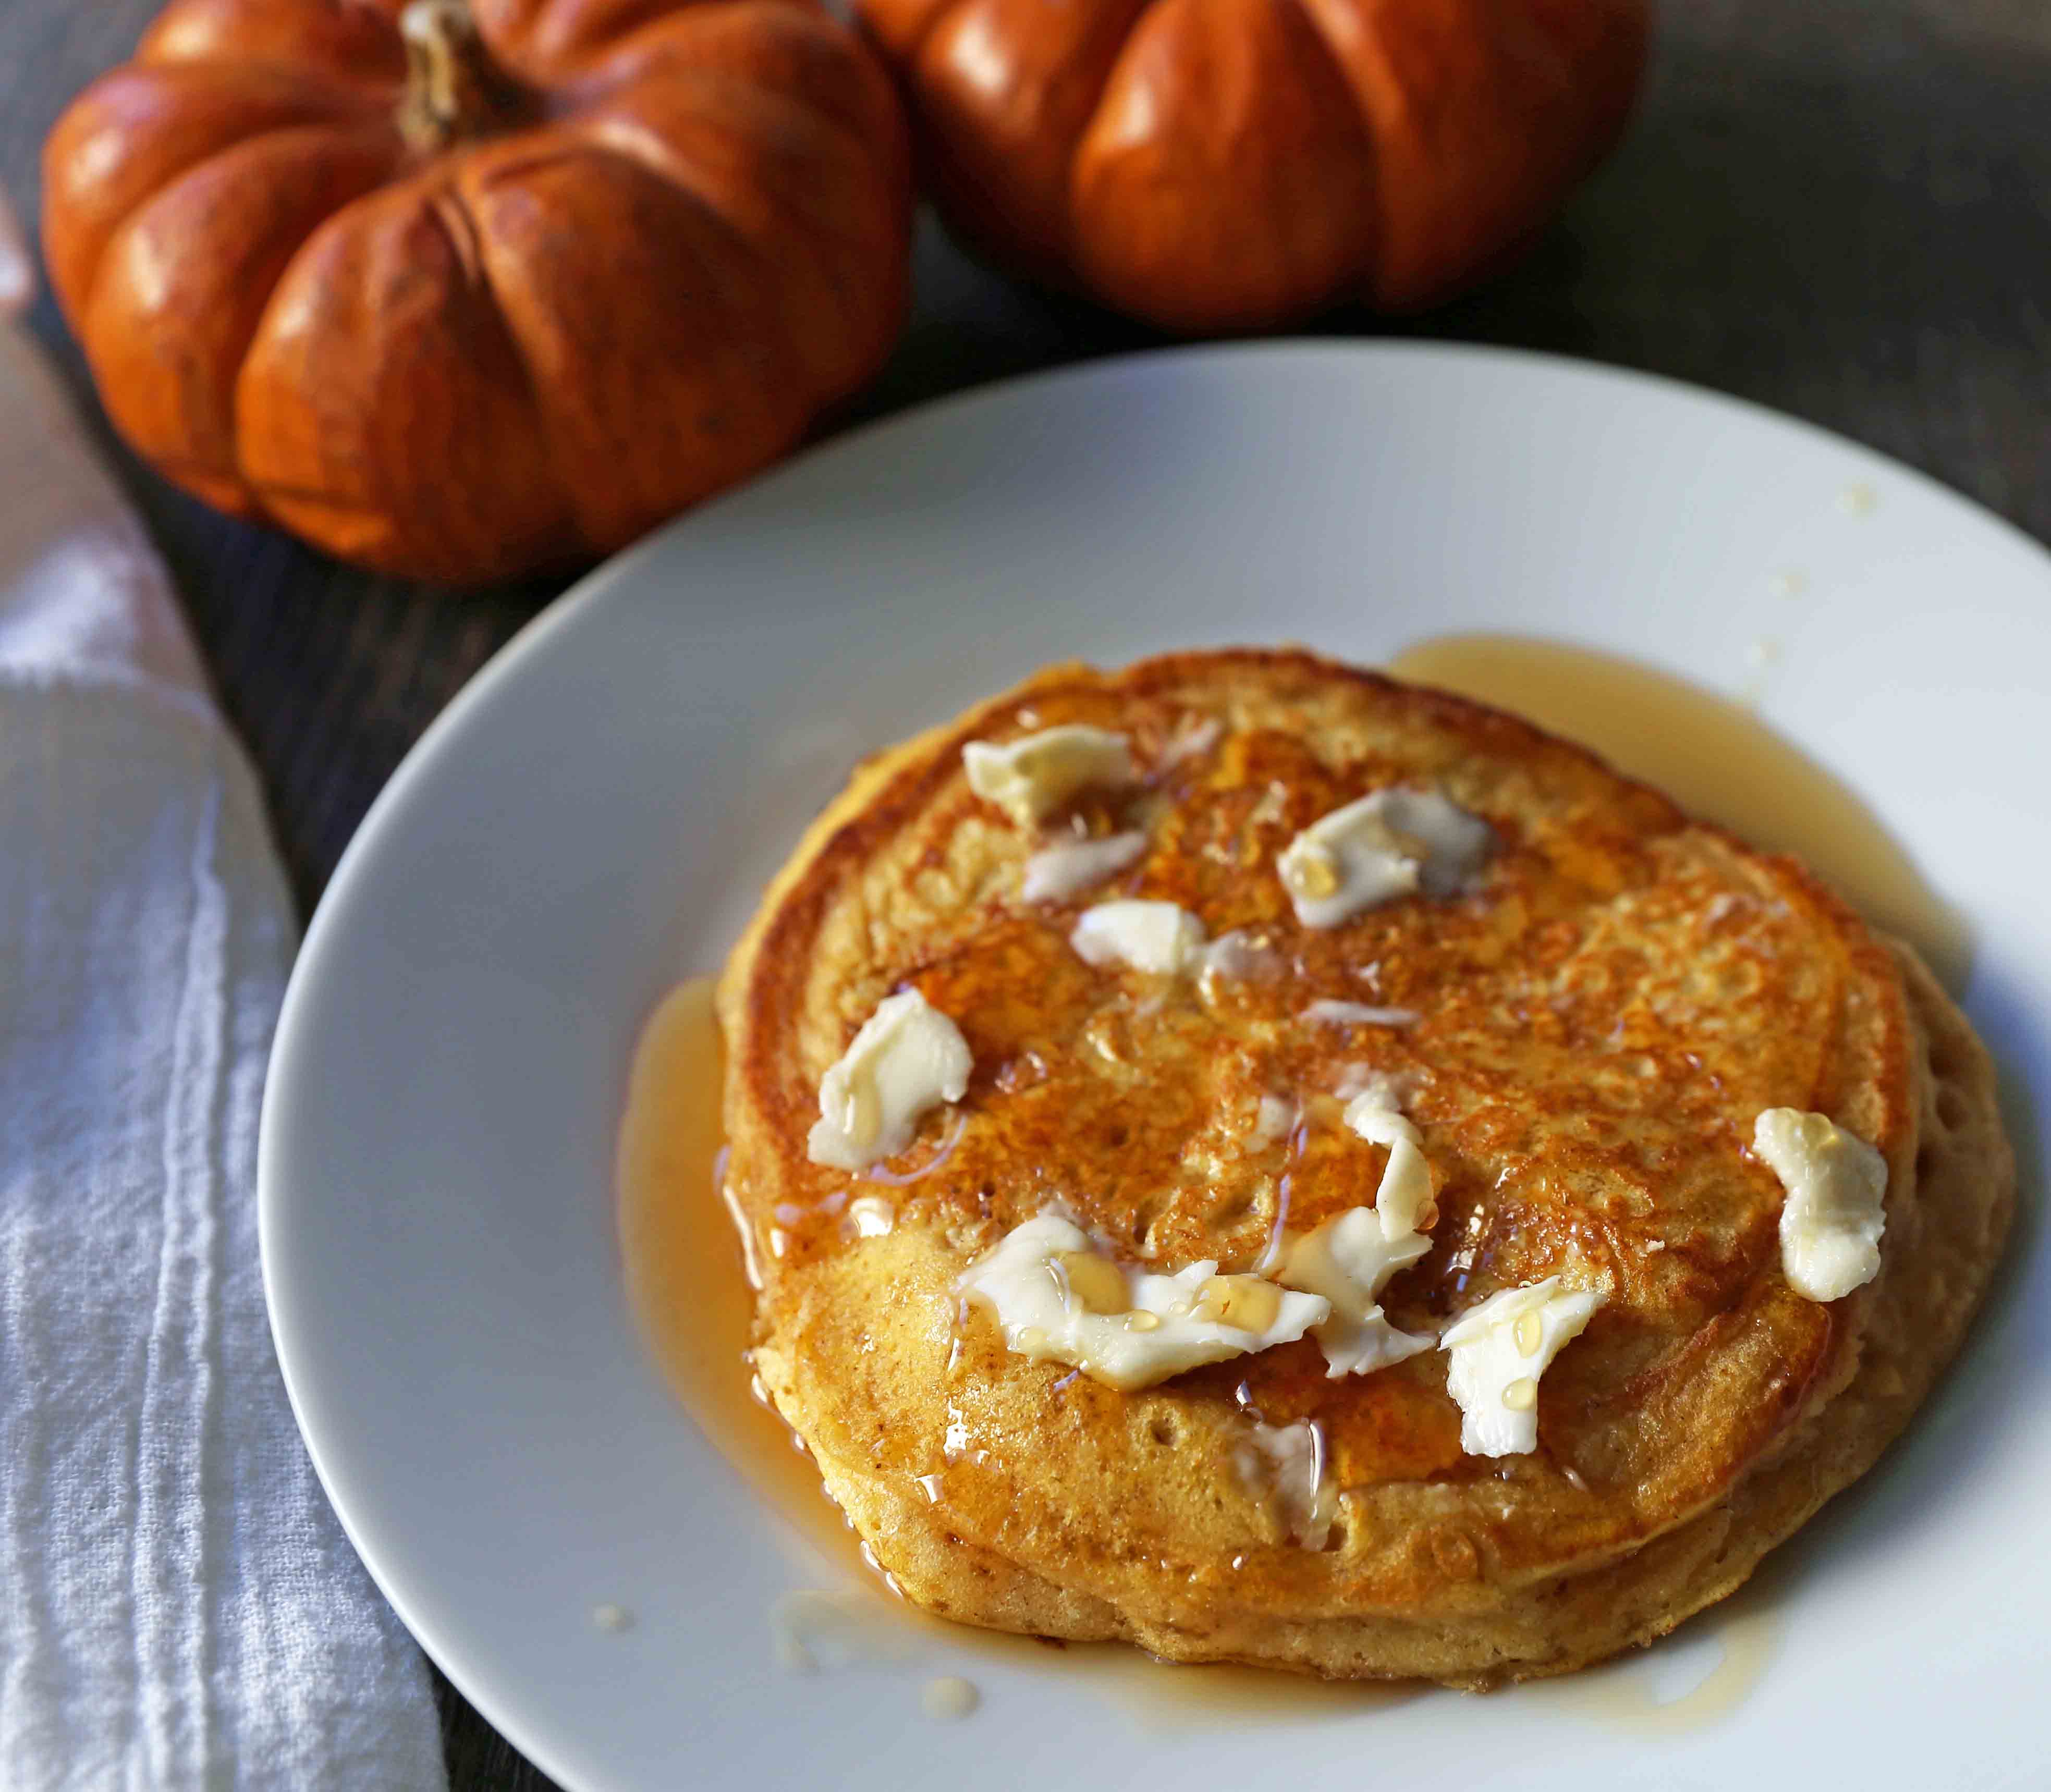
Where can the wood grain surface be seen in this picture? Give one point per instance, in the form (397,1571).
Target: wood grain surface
(1839,208)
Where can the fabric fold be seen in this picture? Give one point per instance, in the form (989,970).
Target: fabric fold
(181,1608)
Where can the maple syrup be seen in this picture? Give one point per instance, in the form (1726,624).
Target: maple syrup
(1740,1637)
(1715,759)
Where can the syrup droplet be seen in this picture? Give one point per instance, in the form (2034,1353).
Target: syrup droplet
(948,1698)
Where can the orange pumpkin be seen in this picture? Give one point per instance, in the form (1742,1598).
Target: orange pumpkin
(465,289)
(1234,164)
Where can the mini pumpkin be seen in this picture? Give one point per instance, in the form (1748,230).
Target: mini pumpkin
(1234,164)
(477,285)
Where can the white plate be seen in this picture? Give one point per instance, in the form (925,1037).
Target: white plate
(594,816)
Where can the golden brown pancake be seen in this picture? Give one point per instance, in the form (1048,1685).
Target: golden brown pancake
(1601,1016)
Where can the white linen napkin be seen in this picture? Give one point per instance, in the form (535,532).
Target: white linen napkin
(178,1606)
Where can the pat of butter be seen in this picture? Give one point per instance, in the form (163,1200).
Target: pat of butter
(1327,1012)
(908,1057)
(1499,1350)
(1405,1192)
(1834,1213)
(1352,1256)
(1050,1309)
(1348,1258)
(1031,777)
(1151,936)
(1376,1113)
(1056,872)
(1390,843)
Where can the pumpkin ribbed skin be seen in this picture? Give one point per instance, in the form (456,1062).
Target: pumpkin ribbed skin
(1236,164)
(671,236)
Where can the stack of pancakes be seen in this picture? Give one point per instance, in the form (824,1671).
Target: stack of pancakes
(1600,1018)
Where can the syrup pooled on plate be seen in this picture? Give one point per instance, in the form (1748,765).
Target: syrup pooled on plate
(686,1281)
(1713,757)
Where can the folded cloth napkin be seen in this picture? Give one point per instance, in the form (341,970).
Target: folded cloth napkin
(178,1606)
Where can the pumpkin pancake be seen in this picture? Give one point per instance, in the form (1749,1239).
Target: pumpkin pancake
(1582,1030)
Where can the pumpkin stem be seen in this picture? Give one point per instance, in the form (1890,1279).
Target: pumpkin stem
(453,89)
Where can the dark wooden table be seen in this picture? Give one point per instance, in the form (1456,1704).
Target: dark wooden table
(1840,208)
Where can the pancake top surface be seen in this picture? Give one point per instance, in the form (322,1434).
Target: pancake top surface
(1601,1016)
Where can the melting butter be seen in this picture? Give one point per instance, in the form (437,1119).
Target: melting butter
(1389,843)
(1376,1113)
(1498,1350)
(1834,1213)
(1067,867)
(1246,1302)
(1326,1011)
(1033,776)
(1346,1260)
(1403,1202)
(1156,937)
(908,1057)
(1030,1280)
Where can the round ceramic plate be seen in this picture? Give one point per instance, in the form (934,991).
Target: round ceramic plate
(593,818)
